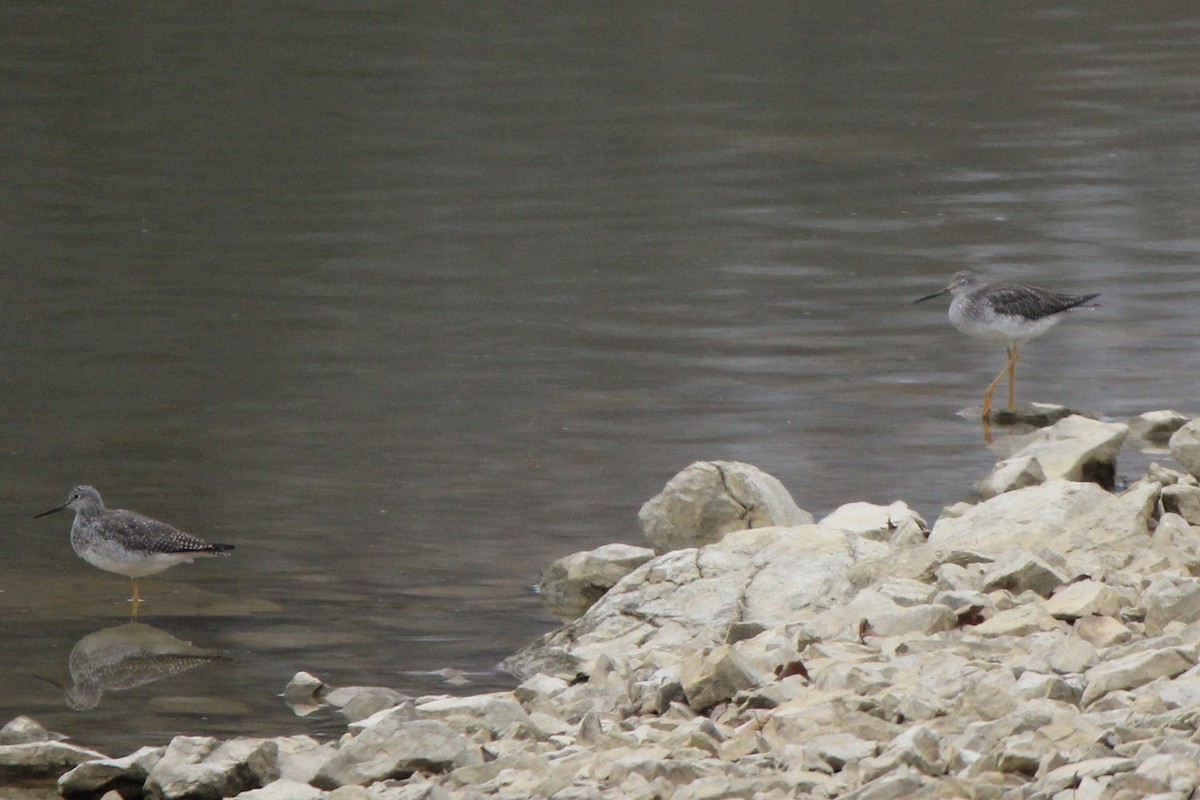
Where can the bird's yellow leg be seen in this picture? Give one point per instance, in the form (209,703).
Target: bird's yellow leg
(1013,356)
(135,599)
(991,392)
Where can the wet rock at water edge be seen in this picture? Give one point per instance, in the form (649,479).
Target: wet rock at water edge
(127,774)
(23,730)
(1028,415)
(42,759)
(1153,430)
(571,584)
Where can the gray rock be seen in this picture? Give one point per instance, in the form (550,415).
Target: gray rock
(687,599)
(1072,655)
(712,498)
(1133,670)
(201,768)
(1107,535)
(1185,446)
(1026,518)
(1070,775)
(1102,631)
(715,677)
(359,702)
(1018,570)
(494,712)
(42,759)
(303,693)
(1168,599)
(1153,430)
(23,730)
(396,747)
(283,789)
(1034,685)
(538,689)
(571,584)
(1078,449)
(1085,598)
(872,521)
(1183,500)
(918,747)
(93,777)
(1019,621)
(839,749)
(902,783)
(300,757)
(1011,474)
(907,592)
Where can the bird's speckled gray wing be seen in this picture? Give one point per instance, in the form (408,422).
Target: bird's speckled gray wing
(138,532)
(1031,302)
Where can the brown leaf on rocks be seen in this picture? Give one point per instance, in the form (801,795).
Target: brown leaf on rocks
(792,668)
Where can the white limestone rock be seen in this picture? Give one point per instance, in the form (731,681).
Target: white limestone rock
(1085,598)
(23,730)
(918,747)
(1185,446)
(203,767)
(396,747)
(494,712)
(304,693)
(1077,448)
(571,584)
(1018,621)
(712,498)
(1102,631)
(1153,429)
(93,777)
(301,757)
(686,600)
(872,521)
(1022,518)
(42,759)
(1183,500)
(716,676)
(359,702)
(1011,474)
(1134,670)
(1017,570)
(1168,599)
(1070,775)
(283,789)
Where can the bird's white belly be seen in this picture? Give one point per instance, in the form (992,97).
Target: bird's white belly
(995,327)
(121,562)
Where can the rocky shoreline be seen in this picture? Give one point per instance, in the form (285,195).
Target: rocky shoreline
(1041,642)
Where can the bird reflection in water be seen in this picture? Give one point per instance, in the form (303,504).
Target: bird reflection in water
(125,656)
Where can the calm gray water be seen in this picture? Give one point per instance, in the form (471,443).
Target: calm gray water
(407,300)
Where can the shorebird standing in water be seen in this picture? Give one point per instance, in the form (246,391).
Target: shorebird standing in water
(128,543)
(1011,313)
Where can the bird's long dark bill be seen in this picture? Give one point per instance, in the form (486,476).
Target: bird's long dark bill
(930,296)
(51,511)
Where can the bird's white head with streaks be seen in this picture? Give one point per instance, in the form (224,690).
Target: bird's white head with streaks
(963,282)
(82,499)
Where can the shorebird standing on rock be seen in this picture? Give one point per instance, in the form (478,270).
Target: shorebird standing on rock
(1011,313)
